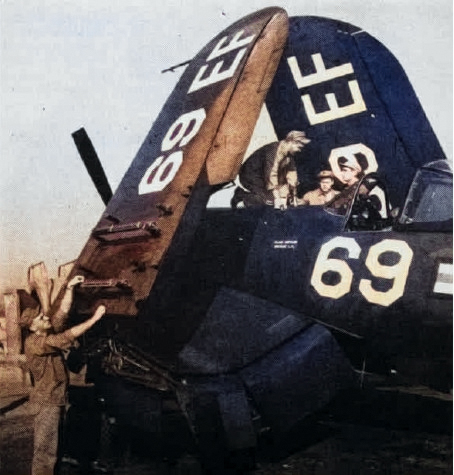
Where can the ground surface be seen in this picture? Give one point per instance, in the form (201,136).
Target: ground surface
(380,433)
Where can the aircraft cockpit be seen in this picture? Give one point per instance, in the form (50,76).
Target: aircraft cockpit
(365,205)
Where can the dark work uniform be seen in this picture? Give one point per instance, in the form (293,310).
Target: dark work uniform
(256,173)
(49,395)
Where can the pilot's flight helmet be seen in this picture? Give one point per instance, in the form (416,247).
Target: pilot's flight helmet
(351,163)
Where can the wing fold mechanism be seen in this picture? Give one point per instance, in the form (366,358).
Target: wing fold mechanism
(123,231)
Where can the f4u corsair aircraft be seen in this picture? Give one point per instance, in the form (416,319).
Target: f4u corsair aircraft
(254,318)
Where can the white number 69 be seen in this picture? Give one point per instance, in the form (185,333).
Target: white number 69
(397,272)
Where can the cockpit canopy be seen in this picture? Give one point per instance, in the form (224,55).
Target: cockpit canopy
(429,201)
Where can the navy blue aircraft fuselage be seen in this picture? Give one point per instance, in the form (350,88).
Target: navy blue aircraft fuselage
(384,281)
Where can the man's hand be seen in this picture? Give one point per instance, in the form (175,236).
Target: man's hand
(80,329)
(280,203)
(76,280)
(99,313)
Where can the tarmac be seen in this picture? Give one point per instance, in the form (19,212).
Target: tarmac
(16,429)
(373,437)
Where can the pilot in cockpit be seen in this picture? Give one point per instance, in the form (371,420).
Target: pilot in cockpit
(350,172)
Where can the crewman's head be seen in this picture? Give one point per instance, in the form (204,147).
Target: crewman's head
(35,320)
(326,180)
(295,141)
(350,171)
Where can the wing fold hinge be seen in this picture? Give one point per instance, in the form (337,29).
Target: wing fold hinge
(124,231)
(107,287)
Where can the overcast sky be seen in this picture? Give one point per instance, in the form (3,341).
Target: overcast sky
(67,64)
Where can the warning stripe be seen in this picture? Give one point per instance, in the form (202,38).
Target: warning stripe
(443,284)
